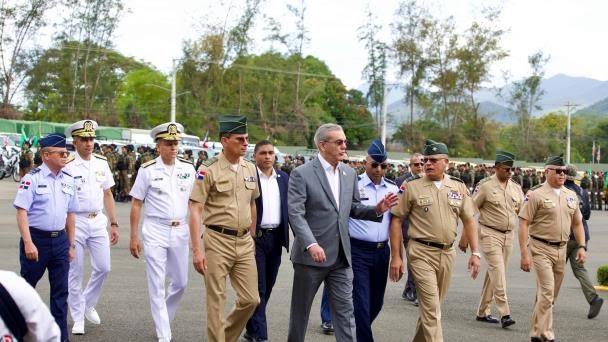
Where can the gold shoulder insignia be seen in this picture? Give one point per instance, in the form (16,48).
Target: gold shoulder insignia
(185,160)
(208,162)
(148,163)
(99,156)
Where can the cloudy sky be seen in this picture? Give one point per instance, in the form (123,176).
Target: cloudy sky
(573,33)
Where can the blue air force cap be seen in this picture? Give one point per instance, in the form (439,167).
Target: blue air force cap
(53,140)
(377,152)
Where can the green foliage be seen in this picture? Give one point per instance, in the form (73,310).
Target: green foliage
(602,275)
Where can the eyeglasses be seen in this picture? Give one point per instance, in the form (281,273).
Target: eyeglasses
(431,160)
(338,142)
(383,166)
(417,164)
(557,171)
(62,154)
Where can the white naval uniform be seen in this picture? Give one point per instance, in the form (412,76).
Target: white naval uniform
(165,235)
(91,178)
(41,325)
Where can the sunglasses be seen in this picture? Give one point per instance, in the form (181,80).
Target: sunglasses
(557,171)
(417,164)
(383,166)
(338,142)
(62,154)
(431,160)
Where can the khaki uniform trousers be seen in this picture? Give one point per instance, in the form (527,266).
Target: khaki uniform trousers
(432,269)
(234,257)
(549,263)
(496,248)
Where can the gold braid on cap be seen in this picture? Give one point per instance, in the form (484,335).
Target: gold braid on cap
(87,130)
(170,134)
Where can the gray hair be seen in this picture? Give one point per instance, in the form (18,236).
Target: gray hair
(415,155)
(322,133)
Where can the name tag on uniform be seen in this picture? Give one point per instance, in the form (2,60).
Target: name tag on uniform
(425,200)
(250,179)
(547,203)
(183,175)
(157,179)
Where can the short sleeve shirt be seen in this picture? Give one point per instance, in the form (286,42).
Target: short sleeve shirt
(226,194)
(549,215)
(165,190)
(433,213)
(498,207)
(47,198)
(91,178)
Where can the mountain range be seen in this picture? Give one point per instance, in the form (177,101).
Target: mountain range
(589,95)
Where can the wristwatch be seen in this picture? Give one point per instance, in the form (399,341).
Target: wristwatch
(476,254)
(583,247)
(114,224)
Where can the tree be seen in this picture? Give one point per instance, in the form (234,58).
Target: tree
(524,98)
(19,22)
(141,100)
(375,70)
(410,31)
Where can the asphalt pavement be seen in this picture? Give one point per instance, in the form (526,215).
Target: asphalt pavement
(125,310)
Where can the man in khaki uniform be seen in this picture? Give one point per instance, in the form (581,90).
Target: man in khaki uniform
(433,204)
(226,188)
(498,200)
(548,212)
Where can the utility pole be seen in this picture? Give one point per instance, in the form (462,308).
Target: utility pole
(568,106)
(173,95)
(384,110)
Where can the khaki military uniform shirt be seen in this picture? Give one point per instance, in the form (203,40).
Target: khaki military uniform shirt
(433,213)
(498,207)
(226,194)
(550,216)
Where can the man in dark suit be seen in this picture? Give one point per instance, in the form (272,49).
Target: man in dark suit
(272,233)
(322,195)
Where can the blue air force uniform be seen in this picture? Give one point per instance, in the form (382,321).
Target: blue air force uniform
(47,198)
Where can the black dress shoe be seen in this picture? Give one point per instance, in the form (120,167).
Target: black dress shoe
(506,321)
(247,336)
(595,306)
(487,319)
(327,328)
(535,339)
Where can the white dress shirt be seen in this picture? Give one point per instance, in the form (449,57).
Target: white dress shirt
(91,178)
(271,199)
(333,178)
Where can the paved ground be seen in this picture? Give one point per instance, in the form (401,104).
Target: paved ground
(125,310)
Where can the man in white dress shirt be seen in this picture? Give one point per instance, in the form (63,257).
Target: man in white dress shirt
(93,183)
(165,184)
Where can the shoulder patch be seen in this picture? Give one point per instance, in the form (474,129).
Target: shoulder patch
(65,173)
(71,158)
(35,171)
(99,156)
(208,162)
(148,163)
(185,160)
(456,179)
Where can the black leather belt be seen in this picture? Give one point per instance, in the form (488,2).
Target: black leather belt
(368,244)
(550,243)
(496,229)
(46,233)
(229,231)
(435,244)
(263,231)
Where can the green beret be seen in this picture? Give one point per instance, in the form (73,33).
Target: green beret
(555,160)
(504,158)
(234,124)
(433,147)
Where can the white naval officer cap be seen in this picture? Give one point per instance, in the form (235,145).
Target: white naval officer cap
(83,128)
(167,131)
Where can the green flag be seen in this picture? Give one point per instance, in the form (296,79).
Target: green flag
(23,135)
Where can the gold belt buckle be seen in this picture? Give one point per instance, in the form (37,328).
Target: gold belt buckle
(92,215)
(240,233)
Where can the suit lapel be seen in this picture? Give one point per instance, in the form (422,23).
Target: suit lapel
(324,183)
(344,187)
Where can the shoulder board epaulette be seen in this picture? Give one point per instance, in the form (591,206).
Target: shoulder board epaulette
(390,181)
(185,160)
(485,180)
(535,187)
(148,163)
(515,183)
(456,179)
(412,178)
(208,162)
(65,173)
(99,156)
(35,171)
(71,158)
